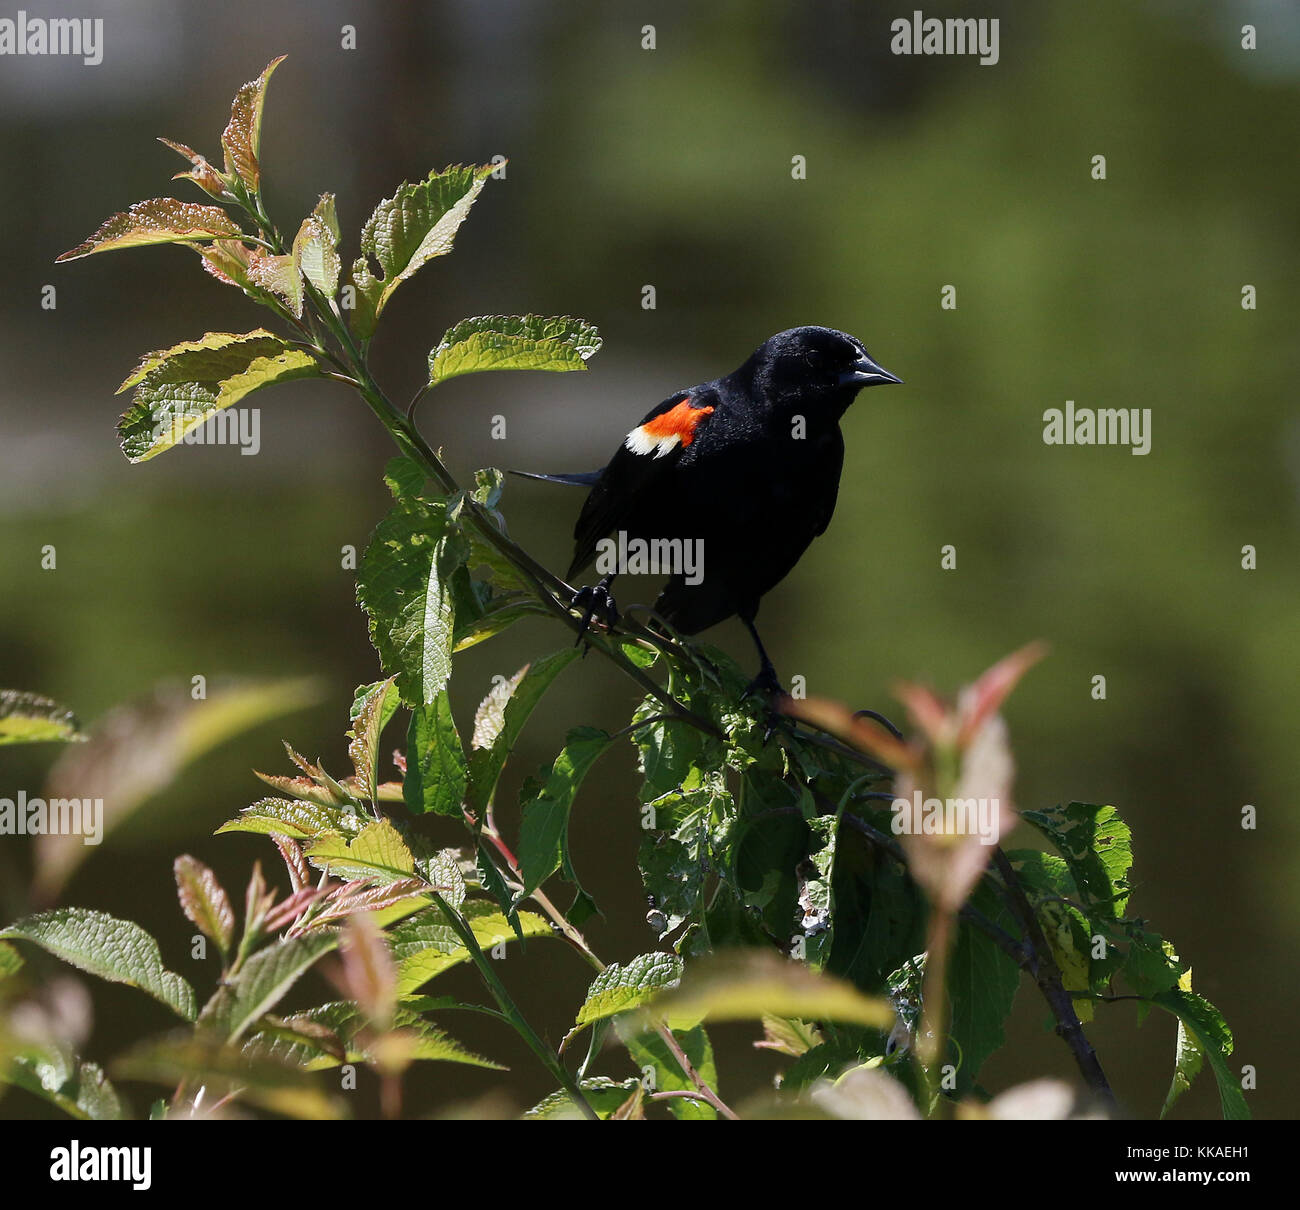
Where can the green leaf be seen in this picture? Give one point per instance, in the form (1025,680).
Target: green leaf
(751,985)
(621,987)
(1097,846)
(11,961)
(544,833)
(404,586)
(501,717)
(604,1095)
(513,342)
(1214,1040)
(406,231)
(492,882)
(1188,1056)
(372,708)
(222,1071)
(28,718)
(242,137)
(377,852)
(315,247)
(116,950)
(205,902)
(500,615)
(426,945)
(161,220)
(982,985)
(650,1050)
(435,761)
(298,820)
(262,983)
(181,388)
(291,1041)
(278,275)
(80,1090)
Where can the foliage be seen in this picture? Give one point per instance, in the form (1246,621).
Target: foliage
(882,961)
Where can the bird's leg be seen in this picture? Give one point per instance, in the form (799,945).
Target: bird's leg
(596,599)
(766,682)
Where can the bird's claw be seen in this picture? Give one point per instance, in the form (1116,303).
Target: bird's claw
(593,600)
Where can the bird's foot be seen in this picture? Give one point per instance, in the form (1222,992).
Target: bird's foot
(595,600)
(767,686)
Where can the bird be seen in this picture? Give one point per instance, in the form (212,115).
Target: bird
(745,468)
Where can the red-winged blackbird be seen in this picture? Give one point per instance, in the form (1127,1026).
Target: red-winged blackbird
(747,466)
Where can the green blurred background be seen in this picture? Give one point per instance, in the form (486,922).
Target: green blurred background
(672,168)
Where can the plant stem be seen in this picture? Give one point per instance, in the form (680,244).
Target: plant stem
(1042,966)
(508,1008)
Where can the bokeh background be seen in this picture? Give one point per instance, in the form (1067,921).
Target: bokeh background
(672,168)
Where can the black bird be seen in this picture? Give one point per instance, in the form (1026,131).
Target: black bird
(747,467)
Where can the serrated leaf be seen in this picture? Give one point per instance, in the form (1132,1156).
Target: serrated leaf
(404,585)
(29,718)
(242,138)
(501,718)
(205,902)
(377,852)
(1097,846)
(315,247)
(435,761)
(185,386)
(115,950)
(426,945)
(292,1043)
(278,275)
(81,1090)
(406,231)
(1214,1039)
(544,833)
(372,708)
(262,983)
(1188,1056)
(298,820)
(619,988)
(604,1095)
(513,342)
(160,220)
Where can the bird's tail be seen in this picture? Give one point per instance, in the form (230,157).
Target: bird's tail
(577,479)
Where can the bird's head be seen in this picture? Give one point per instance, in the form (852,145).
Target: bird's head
(809,366)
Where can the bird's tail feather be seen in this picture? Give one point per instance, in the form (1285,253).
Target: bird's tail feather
(576,479)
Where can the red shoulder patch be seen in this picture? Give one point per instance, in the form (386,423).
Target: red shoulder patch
(659,435)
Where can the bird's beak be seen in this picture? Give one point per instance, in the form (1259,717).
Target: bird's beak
(865,373)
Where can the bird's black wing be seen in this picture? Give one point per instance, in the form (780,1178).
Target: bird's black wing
(645,460)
